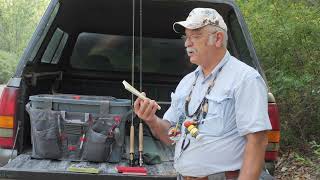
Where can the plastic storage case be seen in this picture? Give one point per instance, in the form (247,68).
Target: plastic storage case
(80,103)
(76,127)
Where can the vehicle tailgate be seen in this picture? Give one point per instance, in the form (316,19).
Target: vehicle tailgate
(25,167)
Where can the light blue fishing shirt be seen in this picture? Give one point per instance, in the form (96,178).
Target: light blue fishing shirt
(238,105)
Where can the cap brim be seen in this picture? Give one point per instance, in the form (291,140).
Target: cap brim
(180,26)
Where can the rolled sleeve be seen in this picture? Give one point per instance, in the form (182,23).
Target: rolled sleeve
(171,116)
(251,106)
(175,110)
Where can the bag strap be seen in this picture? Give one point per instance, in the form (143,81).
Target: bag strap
(104,109)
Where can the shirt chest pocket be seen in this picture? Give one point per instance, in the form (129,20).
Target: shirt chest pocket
(178,101)
(214,123)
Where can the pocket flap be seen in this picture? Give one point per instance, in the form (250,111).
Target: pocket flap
(95,137)
(47,134)
(217,103)
(218,99)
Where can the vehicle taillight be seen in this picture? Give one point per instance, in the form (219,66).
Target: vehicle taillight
(7,120)
(274,116)
(271,155)
(274,134)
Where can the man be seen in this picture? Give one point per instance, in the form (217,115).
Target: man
(224,100)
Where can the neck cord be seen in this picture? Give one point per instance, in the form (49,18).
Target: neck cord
(203,106)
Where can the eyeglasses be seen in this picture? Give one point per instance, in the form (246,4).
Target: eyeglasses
(194,37)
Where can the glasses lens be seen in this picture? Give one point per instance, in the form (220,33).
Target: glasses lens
(184,38)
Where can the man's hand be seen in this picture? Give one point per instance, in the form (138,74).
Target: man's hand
(146,109)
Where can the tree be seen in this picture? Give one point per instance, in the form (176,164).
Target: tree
(18,20)
(286,34)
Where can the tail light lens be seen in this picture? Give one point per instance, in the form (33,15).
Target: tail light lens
(6,143)
(7,120)
(274,134)
(274,116)
(271,155)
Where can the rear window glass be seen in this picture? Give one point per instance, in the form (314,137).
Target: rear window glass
(104,52)
(54,49)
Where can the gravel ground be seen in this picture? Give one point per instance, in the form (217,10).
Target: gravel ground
(290,167)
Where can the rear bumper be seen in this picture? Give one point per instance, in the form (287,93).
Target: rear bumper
(6,173)
(5,156)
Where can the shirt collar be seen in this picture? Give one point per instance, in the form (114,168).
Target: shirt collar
(224,60)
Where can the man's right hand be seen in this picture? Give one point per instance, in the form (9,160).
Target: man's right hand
(146,109)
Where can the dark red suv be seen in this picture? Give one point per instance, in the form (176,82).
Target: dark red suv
(85,47)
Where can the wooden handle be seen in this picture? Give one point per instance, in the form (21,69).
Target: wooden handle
(131,139)
(140,137)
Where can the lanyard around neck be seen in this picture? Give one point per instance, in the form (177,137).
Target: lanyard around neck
(203,106)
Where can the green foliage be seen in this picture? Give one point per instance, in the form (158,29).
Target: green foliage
(18,20)
(312,159)
(302,160)
(8,63)
(286,36)
(316,150)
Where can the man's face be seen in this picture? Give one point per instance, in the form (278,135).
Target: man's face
(196,43)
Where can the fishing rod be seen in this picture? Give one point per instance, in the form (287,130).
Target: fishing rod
(140,148)
(131,151)
(140,123)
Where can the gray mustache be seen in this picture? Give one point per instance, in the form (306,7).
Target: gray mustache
(191,50)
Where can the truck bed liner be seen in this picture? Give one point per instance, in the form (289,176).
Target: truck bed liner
(24,167)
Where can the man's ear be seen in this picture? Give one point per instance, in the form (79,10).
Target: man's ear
(219,39)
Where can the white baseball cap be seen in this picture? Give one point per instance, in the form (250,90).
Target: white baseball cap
(200,17)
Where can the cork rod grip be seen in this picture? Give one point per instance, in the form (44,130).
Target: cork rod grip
(140,137)
(131,139)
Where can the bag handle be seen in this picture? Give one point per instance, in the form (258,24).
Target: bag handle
(77,120)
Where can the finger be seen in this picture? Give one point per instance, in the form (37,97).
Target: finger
(149,108)
(156,105)
(144,94)
(153,111)
(136,105)
(143,106)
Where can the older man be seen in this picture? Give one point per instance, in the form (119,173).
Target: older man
(221,107)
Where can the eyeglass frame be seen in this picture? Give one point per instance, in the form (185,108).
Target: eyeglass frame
(194,37)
